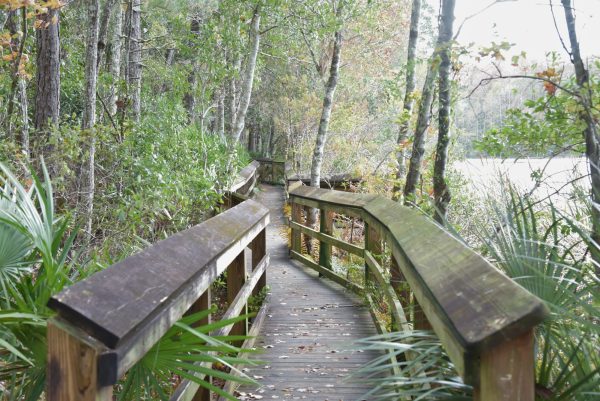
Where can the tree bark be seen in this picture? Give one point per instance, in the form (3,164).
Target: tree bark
(115,58)
(317,159)
(103,28)
(89,107)
(411,59)
(441,192)
(16,46)
(47,97)
(240,115)
(24,140)
(220,123)
(189,98)
(135,60)
(590,132)
(418,148)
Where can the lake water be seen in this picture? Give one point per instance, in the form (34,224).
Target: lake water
(558,172)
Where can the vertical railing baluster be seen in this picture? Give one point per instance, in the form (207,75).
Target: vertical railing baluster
(296,235)
(258,246)
(326,227)
(203,303)
(374,245)
(236,277)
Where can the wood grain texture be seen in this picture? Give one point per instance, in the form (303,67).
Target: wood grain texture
(507,371)
(326,227)
(72,366)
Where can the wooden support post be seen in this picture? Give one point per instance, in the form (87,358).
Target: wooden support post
(400,287)
(326,227)
(507,371)
(296,235)
(258,246)
(236,277)
(374,245)
(203,303)
(419,319)
(73,367)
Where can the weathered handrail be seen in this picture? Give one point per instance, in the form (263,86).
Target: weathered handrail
(273,171)
(106,323)
(484,319)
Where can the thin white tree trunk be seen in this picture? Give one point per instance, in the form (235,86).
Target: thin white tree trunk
(317,159)
(22,94)
(89,107)
(220,124)
(408,98)
(115,61)
(135,60)
(240,115)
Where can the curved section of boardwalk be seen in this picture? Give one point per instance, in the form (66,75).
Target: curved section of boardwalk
(310,323)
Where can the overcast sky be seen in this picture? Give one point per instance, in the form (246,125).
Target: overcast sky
(528,24)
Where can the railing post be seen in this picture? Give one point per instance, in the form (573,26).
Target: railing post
(73,367)
(507,371)
(203,303)
(258,246)
(236,277)
(326,227)
(296,234)
(374,245)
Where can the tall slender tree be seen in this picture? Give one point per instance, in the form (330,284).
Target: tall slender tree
(89,106)
(409,97)
(47,96)
(590,125)
(248,77)
(134,59)
(441,192)
(424,115)
(114,62)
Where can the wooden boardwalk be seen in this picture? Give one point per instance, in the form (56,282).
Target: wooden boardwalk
(311,323)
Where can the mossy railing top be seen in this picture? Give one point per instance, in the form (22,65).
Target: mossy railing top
(473,308)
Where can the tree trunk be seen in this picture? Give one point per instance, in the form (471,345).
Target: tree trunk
(89,107)
(220,123)
(24,140)
(270,142)
(317,159)
(47,97)
(103,29)
(16,46)
(135,60)
(240,115)
(189,98)
(441,192)
(408,98)
(590,132)
(115,58)
(418,148)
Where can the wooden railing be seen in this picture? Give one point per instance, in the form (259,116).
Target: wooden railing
(483,319)
(273,171)
(109,321)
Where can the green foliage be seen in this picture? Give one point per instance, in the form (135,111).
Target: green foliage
(544,126)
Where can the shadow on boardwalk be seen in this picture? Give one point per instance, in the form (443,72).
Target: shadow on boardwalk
(310,322)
